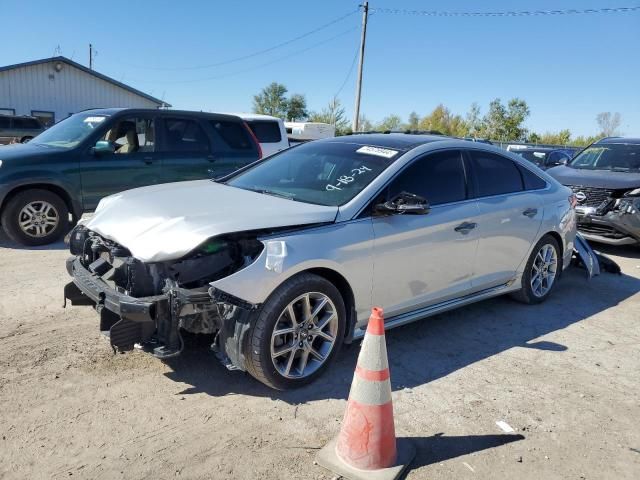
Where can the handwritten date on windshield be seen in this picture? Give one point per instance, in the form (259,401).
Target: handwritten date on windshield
(347,179)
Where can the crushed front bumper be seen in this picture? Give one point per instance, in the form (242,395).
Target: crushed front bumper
(154,322)
(125,320)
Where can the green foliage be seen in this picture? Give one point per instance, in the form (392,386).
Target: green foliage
(473,120)
(391,122)
(443,121)
(272,101)
(365,124)
(333,114)
(414,121)
(506,122)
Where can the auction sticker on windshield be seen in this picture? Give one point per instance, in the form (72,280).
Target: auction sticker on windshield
(377,151)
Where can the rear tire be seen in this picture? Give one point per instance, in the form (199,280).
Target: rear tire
(541,271)
(25,139)
(35,217)
(308,343)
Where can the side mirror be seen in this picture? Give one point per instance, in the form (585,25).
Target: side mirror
(103,147)
(403,203)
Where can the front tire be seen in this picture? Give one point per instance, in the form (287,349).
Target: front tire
(35,217)
(541,271)
(297,333)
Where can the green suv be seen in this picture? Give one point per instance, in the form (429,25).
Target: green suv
(48,183)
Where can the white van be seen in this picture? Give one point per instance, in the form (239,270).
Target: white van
(269,131)
(300,132)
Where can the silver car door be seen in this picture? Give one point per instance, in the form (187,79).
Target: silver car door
(422,259)
(509,217)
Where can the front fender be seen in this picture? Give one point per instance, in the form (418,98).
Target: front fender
(345,248)
(19,180)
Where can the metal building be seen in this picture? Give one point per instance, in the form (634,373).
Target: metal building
(54,88)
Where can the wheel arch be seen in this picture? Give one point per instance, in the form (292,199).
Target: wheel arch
(558,238)
(343,286)
(53,188)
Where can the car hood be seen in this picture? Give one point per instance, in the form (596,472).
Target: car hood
(595,178)
(165,222)
(18,151)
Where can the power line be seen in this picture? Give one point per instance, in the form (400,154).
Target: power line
(250,55)
(353,64)
(257,67)
(523,13)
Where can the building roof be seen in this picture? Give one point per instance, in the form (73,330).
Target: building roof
(86,70)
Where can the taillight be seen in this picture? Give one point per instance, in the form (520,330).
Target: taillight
(573,200)
(255,139)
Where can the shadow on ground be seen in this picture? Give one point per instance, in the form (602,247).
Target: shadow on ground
(434,347)
(5,242)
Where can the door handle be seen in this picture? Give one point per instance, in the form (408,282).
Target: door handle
(465,227)
(148,160)
(530,212)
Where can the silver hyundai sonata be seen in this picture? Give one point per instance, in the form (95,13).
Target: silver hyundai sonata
(283,260)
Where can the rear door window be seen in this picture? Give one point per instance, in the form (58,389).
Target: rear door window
(494,174)
(266,131)
(531,180)
(25,123)
(5,122)
(184,135)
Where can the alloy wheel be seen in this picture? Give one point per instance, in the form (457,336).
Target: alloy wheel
(38,219)
(543,270)
(304,335)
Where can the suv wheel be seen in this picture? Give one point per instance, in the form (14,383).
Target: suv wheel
(297,333)
(541,272)
(35,217)
(25,139)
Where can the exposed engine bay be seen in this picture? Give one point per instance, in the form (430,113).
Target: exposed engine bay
(147,304)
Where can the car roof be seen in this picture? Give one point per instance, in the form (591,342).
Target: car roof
(621,140)
(163,112)
(253,116)
(397,141)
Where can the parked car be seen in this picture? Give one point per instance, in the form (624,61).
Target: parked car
(18,129)
(284,259)
(605,178)
(68,168)
(480,140)
(545,157)
(270,132)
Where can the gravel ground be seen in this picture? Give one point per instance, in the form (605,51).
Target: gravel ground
(565,375)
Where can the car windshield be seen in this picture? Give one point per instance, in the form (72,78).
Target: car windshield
(69,132)
(532,156)
(323,173)
(610,156)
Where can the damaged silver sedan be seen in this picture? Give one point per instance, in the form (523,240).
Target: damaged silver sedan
(283,260)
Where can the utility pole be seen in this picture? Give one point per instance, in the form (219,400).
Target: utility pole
(90,57)
(356,111)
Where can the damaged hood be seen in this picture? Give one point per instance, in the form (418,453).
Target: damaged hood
(595,178)
(165,222)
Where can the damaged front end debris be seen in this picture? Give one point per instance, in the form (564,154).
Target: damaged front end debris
(148,304)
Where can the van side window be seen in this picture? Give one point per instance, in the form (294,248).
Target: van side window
(182,135)
(265,131)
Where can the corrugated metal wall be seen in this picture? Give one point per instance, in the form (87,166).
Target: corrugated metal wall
(41,87)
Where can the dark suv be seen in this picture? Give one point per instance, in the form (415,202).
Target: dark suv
(605,178)
(67,169)
(18,129)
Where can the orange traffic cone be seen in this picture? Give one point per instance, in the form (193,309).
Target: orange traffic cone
(366,445)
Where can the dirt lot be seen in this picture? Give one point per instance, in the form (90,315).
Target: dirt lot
(565,375)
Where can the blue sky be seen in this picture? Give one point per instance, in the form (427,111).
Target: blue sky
(568,68)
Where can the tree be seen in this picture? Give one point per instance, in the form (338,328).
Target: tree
(473,120)
(365,124)
(414,121)
(333,114)
(506,122)
(608,123)
(534,138)
(271,100)
(390,122)
(443,121)
(297,108)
